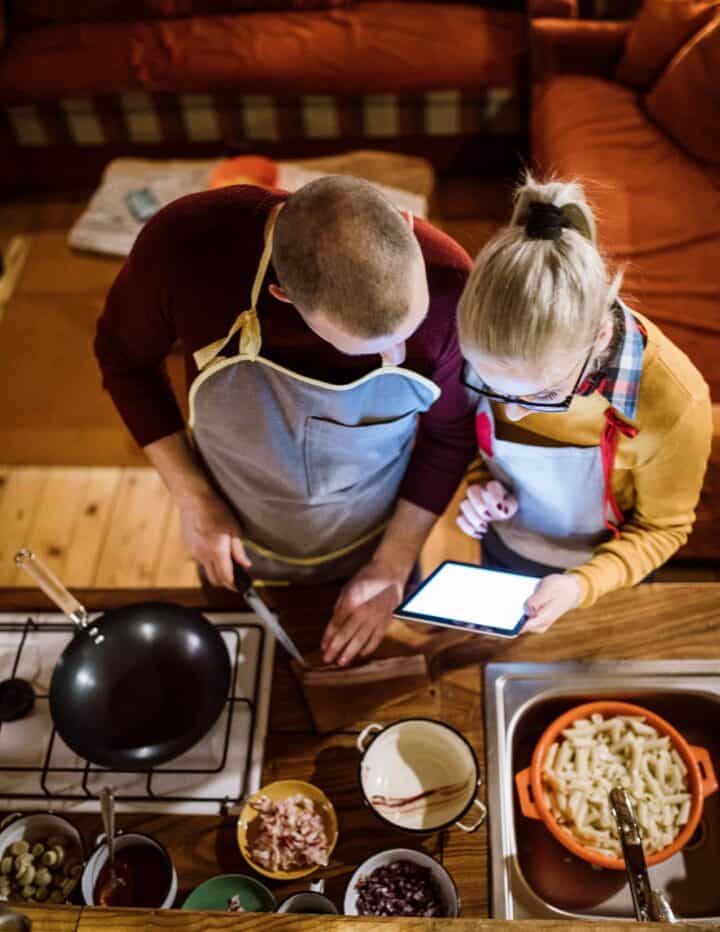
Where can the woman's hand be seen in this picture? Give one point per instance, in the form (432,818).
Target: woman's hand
(213,537)
(484,503)
(553,596)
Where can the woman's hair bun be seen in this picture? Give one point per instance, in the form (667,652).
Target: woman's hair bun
(544,221)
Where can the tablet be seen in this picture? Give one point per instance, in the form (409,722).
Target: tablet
(463,595)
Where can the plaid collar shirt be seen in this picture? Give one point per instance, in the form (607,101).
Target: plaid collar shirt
(619,379)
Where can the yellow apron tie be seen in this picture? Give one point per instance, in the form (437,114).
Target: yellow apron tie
(248,323)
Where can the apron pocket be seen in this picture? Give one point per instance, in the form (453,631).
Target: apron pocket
(339,456)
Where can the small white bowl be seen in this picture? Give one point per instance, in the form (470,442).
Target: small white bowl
(38,826)
(442,878)
(97,860)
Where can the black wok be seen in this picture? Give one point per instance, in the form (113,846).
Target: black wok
(138,685)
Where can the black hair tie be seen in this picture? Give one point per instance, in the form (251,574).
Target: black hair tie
(544,221)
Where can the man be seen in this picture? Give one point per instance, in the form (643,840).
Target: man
(329,425)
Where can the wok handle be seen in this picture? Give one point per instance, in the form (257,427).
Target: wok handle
(51,586)
(707,771)
(527,805)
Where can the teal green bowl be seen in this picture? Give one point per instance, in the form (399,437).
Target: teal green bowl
(216,893)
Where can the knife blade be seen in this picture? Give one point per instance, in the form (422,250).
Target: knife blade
(244,585)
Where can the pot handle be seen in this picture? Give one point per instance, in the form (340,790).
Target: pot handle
(477,804)
(707,771)
(52,587)
(522,783)
(365,733)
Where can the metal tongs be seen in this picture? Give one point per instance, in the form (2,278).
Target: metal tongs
(650,905)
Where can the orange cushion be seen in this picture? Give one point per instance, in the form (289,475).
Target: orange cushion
(245,169)
(371,48)
(685,101)
(660,28)
(552,8)
(663,225)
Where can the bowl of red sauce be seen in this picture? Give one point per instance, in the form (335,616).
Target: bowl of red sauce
(147,878)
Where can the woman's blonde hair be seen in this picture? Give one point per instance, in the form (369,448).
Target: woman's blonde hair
(527,295)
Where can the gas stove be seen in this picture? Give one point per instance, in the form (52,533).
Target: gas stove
(39,771)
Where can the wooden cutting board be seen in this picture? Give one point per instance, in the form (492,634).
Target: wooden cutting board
(337,696)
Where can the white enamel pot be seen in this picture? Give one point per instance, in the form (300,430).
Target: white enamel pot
(420,775)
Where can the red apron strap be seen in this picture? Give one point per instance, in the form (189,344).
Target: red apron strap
(608,449)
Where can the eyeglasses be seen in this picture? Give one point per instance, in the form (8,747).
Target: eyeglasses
(472,380)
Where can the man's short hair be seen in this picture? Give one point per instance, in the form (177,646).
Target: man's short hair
(341,248)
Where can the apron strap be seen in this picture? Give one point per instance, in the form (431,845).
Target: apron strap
(608,448)
(248,322)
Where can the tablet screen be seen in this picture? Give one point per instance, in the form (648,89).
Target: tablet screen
(469,596)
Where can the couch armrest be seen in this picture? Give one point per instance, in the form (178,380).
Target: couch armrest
(592,47)
(555,8)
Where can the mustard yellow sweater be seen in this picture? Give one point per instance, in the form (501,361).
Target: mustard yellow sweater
(657,475)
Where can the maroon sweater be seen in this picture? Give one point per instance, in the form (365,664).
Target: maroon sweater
(188,277)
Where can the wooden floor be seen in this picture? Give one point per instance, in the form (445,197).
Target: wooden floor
(94,527)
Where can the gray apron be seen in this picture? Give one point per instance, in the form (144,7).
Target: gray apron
(561,516)
(311,469)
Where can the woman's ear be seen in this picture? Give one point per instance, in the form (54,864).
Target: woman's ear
(277,292)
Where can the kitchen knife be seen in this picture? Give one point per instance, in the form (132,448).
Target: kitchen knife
(244,585)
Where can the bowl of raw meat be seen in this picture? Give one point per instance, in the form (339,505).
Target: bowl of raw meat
(287,830)
(401,882)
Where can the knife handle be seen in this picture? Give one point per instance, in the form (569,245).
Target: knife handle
(241,578)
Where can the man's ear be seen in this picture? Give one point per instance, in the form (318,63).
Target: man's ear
(277,292)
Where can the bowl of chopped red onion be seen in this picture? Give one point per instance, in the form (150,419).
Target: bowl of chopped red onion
(401,882)
(287,829)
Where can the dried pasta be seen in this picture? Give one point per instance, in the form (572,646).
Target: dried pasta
(598,753)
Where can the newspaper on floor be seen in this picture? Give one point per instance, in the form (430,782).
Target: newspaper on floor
(108,225)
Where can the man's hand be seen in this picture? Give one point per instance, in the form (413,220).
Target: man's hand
(553,596)
(213,537)
(485,503)
(362,613)
(210,531)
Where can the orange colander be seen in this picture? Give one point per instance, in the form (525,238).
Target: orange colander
(701,778)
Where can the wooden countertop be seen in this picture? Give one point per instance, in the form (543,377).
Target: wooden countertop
(74,919)
(650,622)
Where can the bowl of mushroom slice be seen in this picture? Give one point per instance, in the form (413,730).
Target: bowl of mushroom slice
(41,858)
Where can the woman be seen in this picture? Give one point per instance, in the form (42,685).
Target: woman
(593,429)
